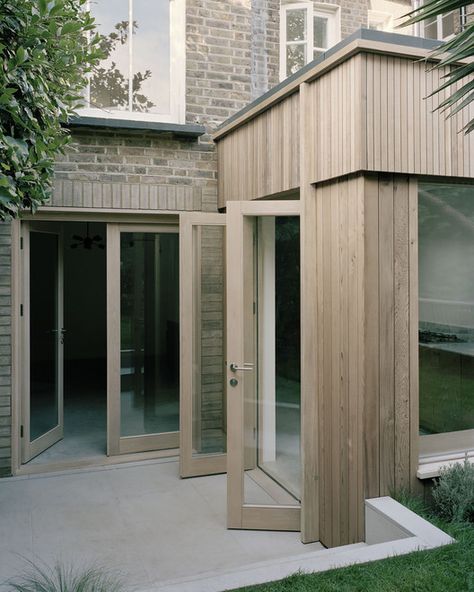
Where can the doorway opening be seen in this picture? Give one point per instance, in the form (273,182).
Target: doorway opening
(82,256)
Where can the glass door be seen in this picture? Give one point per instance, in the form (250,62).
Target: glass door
(263,370)
(202,294)
(43,339)
(143,337)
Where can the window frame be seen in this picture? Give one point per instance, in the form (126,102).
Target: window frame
(177,112)
(380,18)
(420,27)
(443,449)
(330,11)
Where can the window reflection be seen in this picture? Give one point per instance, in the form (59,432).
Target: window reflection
(446,307)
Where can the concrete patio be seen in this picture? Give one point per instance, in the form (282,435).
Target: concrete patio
(160,533)
(138,519)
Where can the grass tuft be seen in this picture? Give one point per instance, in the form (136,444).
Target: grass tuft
(39,577)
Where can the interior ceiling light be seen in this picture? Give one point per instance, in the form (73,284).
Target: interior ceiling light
(88,241)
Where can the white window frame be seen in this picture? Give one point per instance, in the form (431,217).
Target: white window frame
(420,27)
(177,112)
(330,11)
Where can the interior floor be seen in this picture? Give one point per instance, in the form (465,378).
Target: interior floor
(85,423)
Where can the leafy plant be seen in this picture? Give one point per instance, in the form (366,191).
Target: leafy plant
(47,48)
(460,47)
(453,494)
(60,578)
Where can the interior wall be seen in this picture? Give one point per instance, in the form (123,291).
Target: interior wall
(84,295)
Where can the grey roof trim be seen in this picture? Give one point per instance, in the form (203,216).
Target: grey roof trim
(183,130)
(367,34)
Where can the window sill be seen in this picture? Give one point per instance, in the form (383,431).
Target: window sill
(429,468)
(189,131)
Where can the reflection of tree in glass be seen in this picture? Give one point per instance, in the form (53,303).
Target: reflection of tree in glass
(109,86)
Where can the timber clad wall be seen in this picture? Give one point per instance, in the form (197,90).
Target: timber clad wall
(337,221)
(5,349)
(261,158)
(391,334)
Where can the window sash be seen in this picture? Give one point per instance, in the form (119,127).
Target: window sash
(177,112)
(329,12)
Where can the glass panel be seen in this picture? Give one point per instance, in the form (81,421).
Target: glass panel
(278,401)
(431,28)
(43,333)
(320,32)
(149,306)
(109,88)
(151,56)
(296,24)
(209,434)
(446,307)
(449,24)
(295,58)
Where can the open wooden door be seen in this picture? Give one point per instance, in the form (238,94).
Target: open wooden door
(202,328)
(263,369)
(43,339)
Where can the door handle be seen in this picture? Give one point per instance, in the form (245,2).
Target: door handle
(247,367)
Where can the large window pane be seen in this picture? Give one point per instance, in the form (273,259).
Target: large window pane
(320,31)
(43,333)
(446,307)
(296,24)
(151,56)
(279,395)
(149,301)
(109,86)
(295,58)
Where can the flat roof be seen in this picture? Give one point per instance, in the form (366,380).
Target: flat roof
(363,39)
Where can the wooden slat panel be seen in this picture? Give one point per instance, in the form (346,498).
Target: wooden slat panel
(371,439)
(261,158)
(401,332)
(386,316)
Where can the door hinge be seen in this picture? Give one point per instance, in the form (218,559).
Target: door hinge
(21,310)
(21,243)
(21,431)
(254,307)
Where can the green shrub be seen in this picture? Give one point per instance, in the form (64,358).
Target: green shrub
(453,494)
(60,578)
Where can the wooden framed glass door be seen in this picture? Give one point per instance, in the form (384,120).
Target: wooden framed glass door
(263,369)
(42,407)
(202,304)
(142,338)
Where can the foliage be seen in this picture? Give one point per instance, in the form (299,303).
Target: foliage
(47,47)
(460,47)
(41,578)
(453,494)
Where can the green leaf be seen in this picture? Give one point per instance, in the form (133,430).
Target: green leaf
(71,27)
(20,55)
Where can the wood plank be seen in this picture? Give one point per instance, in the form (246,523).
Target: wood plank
(371,437)
(401,332)
(386,312)
(309,329)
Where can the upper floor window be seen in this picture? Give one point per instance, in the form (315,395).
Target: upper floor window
(380,21)
(441,27)
(142,76)
(307,30)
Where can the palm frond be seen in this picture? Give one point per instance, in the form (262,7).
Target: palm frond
(454,55)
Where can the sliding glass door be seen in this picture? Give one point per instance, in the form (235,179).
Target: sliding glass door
(143,338)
